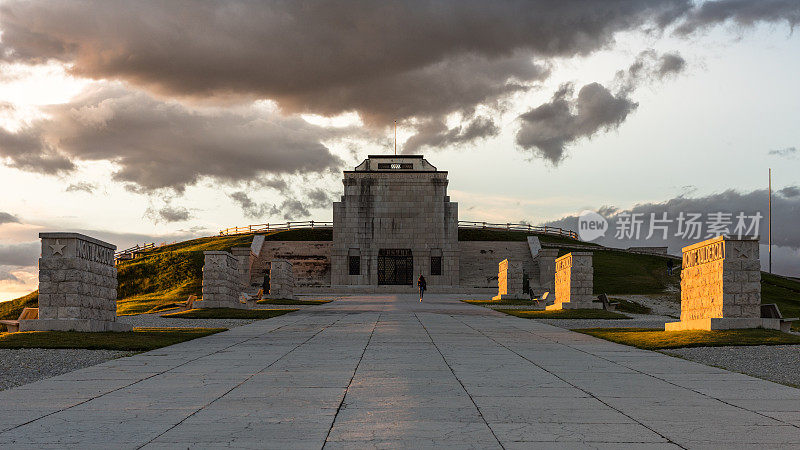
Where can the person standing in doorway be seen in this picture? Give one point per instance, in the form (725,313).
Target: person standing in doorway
(422,286)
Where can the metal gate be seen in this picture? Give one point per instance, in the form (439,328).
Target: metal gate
(395,266)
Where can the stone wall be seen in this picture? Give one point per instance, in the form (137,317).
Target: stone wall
(77,285)
(721,278)
(221,281)
(574,282)
(311,262)
(281,280)
(509,281)
(478,261)
(246,258)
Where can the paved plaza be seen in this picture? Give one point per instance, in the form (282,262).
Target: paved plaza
(386,371)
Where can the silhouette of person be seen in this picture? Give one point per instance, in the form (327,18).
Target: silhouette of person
(422,286)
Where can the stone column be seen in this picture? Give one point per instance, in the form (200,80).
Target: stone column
(547,270)
(721,286)
(509,281)
(221,282)
(246,257)
(281,279)
(77,285)
(574,282)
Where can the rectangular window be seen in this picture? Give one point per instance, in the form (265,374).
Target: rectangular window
(436,265)
(355,265)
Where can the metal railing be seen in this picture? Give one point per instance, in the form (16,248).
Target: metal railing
(556,231)
(266,227)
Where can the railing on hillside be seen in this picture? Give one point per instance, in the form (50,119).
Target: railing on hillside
(266,227)
(556,231)
(130,253)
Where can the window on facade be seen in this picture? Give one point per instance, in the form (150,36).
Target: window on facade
(436,265)
(355,265)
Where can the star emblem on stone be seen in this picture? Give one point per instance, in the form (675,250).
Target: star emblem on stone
(58,248)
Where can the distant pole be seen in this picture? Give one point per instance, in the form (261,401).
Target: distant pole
(769,223)
(395,138)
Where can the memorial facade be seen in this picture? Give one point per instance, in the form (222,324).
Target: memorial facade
(395,222)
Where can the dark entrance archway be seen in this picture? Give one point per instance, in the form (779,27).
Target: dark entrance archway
(395,266)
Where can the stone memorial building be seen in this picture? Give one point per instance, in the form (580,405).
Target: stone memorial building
(395,222)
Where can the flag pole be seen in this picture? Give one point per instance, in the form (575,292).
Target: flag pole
(769,223)
(395,138)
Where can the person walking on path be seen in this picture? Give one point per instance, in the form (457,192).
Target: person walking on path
(670,266)
(422,286)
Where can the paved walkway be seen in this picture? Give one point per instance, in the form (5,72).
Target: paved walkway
(387,371)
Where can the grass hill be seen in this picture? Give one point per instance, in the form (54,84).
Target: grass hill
(173,272)
(12,309)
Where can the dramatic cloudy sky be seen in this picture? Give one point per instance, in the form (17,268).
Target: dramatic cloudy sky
(157,121)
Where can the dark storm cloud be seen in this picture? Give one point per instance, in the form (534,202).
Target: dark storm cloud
(742,13)
(435,134)
(24,254)
(159,144)
(550,128)
(8,218)
(386,60)
(249,207)
(81,186)
(785,211)
(168,214)
(290,208)
(547,129)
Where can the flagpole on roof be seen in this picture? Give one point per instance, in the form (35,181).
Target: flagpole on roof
(769,223)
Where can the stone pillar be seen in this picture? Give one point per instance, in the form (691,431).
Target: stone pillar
(77,285)
(246,257)
(547,270)
(281,279)
(509,281)
(574,282)
(721,286)
(221,282)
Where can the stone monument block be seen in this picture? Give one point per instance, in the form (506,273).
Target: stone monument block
(721,286)
(281,279)
(77,285)
(546,259)
(574,282)
(221,281)
(509,281)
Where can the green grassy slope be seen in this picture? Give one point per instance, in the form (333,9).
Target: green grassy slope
(12,310)
(477,234)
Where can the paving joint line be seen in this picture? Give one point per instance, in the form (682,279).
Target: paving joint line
(459,381)
(248,378)
(146,378)
(564,380)
(658,378)
(361,358)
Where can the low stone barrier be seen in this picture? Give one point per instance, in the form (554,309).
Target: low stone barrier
(77,285)
(721,286)
(221,281)
(281,280)
(509,281)
(574,282)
